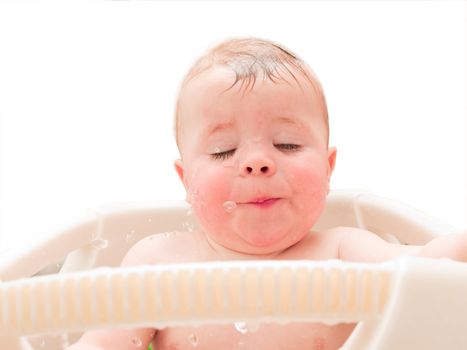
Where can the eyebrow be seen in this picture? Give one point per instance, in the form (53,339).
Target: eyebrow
(228,125)
(294,122)
(217,127)
(290,121)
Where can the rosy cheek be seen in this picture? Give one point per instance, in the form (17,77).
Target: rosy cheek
(209,190)
(310,187)
(306,177)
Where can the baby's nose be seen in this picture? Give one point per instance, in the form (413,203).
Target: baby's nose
(258,165)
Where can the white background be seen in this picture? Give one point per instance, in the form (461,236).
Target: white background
(87,92)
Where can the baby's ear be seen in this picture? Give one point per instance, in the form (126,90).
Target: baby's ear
(332,152)
(178,164)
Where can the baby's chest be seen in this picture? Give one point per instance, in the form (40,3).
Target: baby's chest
(244,336)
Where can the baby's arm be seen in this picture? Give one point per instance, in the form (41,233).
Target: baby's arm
(453,246)
(119,339)
(360,245)
(156,249)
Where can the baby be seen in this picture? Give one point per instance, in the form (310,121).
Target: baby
(252,130)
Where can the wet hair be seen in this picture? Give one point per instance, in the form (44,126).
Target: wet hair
(250,59)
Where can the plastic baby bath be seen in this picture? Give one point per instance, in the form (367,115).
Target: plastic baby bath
(409,303)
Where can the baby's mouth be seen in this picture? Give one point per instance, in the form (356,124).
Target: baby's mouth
(263,202)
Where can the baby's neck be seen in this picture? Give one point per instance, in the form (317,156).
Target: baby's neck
(229,254)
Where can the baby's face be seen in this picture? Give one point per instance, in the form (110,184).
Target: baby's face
(255,164)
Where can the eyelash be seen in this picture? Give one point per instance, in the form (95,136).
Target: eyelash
(286,147)
(223,155)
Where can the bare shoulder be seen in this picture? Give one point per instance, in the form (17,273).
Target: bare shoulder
(318,245)
(355,244)
(334,243)
(169,247)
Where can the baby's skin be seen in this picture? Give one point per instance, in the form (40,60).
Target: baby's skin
(256,167)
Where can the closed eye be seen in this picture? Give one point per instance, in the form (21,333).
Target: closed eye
(287,147)
(223,155)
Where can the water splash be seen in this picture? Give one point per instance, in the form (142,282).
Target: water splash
(193,196)
(130,236)
(189,212)
(136,341)
(100,243)
(193,339)
(188,226)
(65,342)
(195,199)
(229,206)
(241,327)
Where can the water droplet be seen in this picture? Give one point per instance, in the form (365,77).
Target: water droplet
(130,236)
(100,243)
(137,342)
(228,163)
(188,226)
(229,206)
(231,162)
(241,327)
(193,339)
(189,212)
(217,150)
(64,340)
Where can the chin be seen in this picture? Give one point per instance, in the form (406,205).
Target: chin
(268,243)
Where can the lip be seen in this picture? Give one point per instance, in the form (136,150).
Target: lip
(263,202)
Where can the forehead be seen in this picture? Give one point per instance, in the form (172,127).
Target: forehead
(213,92)
(211,98)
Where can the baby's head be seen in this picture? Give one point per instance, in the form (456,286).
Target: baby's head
(250,59)
(252,130)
